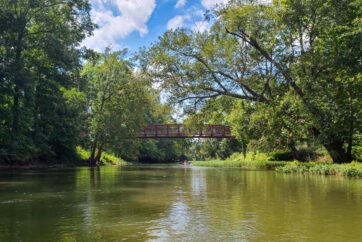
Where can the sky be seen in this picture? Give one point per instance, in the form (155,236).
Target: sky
(135,23)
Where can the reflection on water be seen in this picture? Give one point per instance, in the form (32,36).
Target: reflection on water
(165,203)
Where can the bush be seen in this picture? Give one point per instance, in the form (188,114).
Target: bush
(106,158)
(353,169)
(82,154)
(302,154)
(252,161)
(282,155)
(357,152)
(111,159)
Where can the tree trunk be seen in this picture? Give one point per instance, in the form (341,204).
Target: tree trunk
(351,124)
(17,82)
(99,154)
(92,161)
(244,147)
(335,149)
(337,152)
(294,151)
(15,123)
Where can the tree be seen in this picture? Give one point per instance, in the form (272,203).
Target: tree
(39,57)
(117,101)
(309,51)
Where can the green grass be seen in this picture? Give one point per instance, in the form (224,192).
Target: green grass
(106,158)
(252,161)
(261,161)
(353,169)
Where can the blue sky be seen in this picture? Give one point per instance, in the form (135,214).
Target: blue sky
(135,23)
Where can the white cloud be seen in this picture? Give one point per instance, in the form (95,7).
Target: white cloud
(193,19)
(177,22)
(134,15)
(180,3)
(201,26)
(210,4)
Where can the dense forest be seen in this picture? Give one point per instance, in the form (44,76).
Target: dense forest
(285,76)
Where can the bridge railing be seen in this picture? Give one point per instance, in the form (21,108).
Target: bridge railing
(182,131)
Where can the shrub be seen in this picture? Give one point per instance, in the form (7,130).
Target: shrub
(82,154)
(111,159)
(357,152)
(353,169)
(282,155)
(106,158)
(252,161)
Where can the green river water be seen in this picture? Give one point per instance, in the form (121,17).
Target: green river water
(170,203)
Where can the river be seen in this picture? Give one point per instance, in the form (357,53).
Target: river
(170,203)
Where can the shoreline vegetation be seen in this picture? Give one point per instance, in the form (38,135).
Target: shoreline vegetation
(247,71)
(262,161)
(106,158)
(82,159)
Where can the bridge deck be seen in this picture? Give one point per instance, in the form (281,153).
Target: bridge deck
(181,131)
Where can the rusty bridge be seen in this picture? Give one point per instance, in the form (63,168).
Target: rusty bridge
(183,131)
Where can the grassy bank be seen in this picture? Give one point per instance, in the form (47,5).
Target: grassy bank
(106,159)
(353,169)
(261,161)
(252,161)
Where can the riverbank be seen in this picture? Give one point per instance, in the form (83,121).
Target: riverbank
(252,161)
(262,162)
(353,169)
(80,159)
(242,164)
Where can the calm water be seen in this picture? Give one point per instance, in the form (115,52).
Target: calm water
(164,203)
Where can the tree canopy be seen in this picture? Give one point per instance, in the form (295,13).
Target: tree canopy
(302,58)
(285,75)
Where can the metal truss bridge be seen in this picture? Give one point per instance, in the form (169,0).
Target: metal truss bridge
(182,131)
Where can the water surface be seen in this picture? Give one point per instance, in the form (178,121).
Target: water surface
(169,203)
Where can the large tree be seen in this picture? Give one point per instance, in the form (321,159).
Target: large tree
(309,50)
(118,103)
(39,56)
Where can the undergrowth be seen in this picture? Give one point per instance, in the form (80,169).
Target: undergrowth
(353,169)
(252,161)
(106,158)
(262,161)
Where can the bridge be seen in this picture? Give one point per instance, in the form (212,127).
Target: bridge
(182,131)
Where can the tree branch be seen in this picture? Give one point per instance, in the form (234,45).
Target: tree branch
(284,71)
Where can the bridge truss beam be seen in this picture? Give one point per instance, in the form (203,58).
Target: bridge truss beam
(181,131)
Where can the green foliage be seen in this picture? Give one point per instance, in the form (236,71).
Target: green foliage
(252,161)
(39,60)
(164,150)
(120,104)
(357,148)
(117,102)
(301,154)
(111,159)
(352,170)
(292,66)
(83,155)
(283,155)
(285,76)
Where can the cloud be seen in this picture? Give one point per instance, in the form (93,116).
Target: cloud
(210,4)
(193,19)
(201,26)
(117,19)
(177,22)
(180,3)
